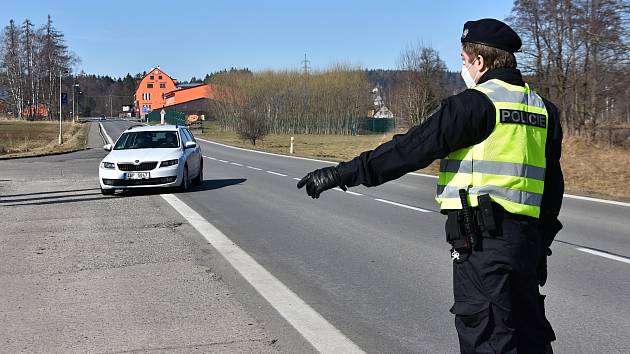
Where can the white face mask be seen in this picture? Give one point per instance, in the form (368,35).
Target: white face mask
(469,80)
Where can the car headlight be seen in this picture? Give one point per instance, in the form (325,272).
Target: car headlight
(108,165)
(169,163)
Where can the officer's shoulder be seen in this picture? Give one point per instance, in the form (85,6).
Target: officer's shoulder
(550,106)
(467,98)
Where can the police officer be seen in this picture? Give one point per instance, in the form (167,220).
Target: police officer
(500,185)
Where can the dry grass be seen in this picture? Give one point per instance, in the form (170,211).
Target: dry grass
(594,169)
(588,169)
(327,147)
(23,138)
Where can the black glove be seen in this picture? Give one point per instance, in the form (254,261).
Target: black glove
(542,268)
(320,180)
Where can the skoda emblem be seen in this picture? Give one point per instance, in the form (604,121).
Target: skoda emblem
(136,161)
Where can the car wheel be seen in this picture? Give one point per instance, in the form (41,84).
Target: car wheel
(185,185)
(107,191)
(199,179)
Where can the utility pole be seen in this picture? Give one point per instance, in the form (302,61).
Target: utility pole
(60,132)
(305,62)
(110,106)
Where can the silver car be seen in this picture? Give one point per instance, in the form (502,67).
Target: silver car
(151,156)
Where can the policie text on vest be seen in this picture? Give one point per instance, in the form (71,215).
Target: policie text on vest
(522,117)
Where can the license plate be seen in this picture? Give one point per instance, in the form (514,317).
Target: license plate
(138,175)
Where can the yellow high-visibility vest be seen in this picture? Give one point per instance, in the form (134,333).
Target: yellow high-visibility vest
(510,164)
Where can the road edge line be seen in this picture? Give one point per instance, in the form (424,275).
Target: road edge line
(604,254)
(320,333)
(104,131)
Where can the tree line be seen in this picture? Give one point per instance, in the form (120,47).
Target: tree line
(575,52)
(31,61)
(290,101)
(330,101)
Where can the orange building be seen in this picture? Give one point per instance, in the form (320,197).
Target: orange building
(151,90)
(187,94)
(192,100)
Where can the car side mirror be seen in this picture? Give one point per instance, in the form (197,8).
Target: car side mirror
(107,147)
(190,144)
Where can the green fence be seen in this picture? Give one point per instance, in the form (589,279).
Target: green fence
(375,125)
(171,117)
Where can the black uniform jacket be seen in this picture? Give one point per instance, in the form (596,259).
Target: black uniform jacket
(463,120)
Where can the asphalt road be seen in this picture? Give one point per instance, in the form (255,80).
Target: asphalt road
(85,273)
(381,272)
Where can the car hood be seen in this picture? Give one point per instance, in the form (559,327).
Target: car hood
(142,155)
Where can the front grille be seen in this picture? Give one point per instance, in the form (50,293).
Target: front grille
(145,166)
(138,182)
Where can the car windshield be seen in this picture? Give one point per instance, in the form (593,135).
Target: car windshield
(147,140)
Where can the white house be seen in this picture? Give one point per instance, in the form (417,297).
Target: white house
(384,112)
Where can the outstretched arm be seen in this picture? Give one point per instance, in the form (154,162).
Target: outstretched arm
(462,120)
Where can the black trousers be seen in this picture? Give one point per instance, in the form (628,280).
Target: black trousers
(498,308)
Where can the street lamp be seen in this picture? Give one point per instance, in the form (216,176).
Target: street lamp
(74,88)
(60,131)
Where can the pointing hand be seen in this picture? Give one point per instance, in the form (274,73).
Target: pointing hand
(320,180)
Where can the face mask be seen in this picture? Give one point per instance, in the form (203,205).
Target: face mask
(469,80)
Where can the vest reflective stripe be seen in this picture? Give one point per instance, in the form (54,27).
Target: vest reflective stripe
(500,93)
(493,167)
(509,164)
(513,195)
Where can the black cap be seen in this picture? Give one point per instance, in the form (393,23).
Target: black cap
(492,33)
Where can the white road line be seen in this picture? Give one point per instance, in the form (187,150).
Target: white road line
(264,152)
(211,158)
(613,202)
(402,205)
(234,163)
(297,179)
(276,173)
(606,201)
(423,175)
(255,168)
(109,139)
(324,337)
(604,254)
(341,190)
(223,161)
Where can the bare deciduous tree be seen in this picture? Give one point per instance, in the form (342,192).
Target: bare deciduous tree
(326,102)
(576,53)
(421,85)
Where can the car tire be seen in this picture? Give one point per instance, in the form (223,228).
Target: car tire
(199,179)
(185,185)
(107,191)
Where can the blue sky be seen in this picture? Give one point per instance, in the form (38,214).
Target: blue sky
(192,38)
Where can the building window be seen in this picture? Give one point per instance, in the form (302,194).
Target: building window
(152,77)
(146,96)
(162,85)
(160,77)
(149,85)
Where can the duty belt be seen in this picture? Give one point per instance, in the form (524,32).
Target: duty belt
(466,226)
